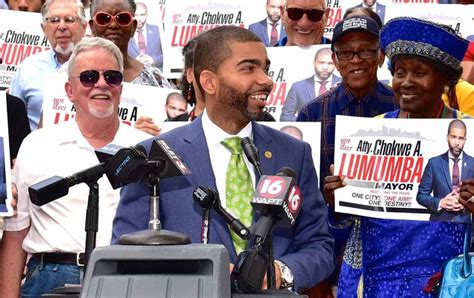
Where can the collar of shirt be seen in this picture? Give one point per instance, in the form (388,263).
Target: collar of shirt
(450,155)
(318,80)
(219,155)
(54,57)
(270,22)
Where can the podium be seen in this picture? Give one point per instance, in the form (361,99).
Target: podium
(193,270)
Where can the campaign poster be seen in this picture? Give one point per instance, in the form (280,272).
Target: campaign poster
(20,37)
(308,132)
(136,101)
(187,18)
(403,168)
(294,79)
(457,16)
(5,170)
(146,43)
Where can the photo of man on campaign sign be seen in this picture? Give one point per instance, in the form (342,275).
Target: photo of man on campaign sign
(410,169)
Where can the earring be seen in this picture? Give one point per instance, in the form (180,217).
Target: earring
(190,92)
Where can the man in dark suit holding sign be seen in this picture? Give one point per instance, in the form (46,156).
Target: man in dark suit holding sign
(231,65)
(439,187)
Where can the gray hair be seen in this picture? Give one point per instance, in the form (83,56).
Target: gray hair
(88,43)
(80,9)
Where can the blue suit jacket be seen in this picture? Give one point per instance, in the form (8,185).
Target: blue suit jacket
(260,29)
(436,178)
(300,93)
(307,247)
(153,45)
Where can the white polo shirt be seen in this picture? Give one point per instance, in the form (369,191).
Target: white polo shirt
(59,225)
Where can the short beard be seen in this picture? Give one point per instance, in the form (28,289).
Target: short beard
(101,113)
(65,52)
(238,101)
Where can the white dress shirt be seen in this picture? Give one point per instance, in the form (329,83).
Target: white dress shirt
(220,155)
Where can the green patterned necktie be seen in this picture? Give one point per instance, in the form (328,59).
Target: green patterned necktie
(238,188)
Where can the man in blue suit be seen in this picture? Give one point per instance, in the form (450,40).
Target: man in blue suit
(263,29)
(231,65)
(146,42)
(376,7)
(439,187)
(302,92)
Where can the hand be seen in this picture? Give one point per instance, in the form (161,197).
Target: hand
(231,267)
(466,194)
(331,183)
(145,59)
(277,277)
(450,202)
(147,125)
(15,199)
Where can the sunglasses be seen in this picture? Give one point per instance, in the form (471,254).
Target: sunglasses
(104,19)
(89,78)
(314,15)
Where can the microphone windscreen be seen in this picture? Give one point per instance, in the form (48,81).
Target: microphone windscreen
(287,171)
(48,190)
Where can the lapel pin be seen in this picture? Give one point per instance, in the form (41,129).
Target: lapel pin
(268,154)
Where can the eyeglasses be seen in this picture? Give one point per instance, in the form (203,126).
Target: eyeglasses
(348,55)
(104,19)
(68,20)
(89,78)
(314,15)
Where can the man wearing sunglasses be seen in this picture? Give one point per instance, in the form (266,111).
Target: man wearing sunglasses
(304,22)
(53,234)
(231,68)
(64,24)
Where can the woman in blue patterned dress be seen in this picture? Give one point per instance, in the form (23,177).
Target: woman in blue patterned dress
(396,258)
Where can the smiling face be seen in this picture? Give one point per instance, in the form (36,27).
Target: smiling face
(63,36)
(304,32)
(240,85)
(358,74)
(101,100)
(418,86)
(119,35)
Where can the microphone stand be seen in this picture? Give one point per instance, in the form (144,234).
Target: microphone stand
(92,219)
(154,235)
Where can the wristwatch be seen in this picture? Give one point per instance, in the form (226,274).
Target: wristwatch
(286,275)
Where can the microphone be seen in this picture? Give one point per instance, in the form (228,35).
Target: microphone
(206,202)
(207,197)
(173,164)
(127,166)
(278,196)
(252,153)
(118,163)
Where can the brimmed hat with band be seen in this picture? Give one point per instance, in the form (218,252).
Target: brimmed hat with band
(410,36)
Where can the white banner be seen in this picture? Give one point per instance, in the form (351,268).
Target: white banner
(20,37)
(385,160)
(5,170)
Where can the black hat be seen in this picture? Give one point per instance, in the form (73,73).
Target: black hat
(359,23)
